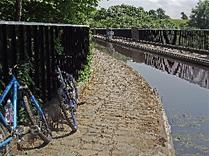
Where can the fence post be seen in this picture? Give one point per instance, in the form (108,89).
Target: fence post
(4,52)
(36,55)
(13,44)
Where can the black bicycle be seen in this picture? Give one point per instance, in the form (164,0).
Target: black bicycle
(68,96)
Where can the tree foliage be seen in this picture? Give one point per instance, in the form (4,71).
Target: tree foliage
(200,15)
(85,12)
(18,13)
(124,16)
(161,13)
(57,11)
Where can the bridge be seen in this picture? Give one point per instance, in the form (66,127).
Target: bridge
(188,45)
(45,44)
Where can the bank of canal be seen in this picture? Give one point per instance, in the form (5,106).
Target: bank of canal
(184,90)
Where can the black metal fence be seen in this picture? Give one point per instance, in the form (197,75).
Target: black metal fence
(192,38)
(198,39)
(41,44)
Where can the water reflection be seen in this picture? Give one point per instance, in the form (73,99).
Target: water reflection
(190,73)
(187,71)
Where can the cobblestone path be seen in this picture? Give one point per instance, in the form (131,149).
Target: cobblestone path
(119,115)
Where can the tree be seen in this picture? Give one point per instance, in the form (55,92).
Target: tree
(56,11)
(161,14)
(7,9)
(153,13)
(200,15)
(18,10)
(100,14)
(184,16)
(126,16)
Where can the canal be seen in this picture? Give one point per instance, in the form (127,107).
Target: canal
(184,91)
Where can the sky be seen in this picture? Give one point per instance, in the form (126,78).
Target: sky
(173,8)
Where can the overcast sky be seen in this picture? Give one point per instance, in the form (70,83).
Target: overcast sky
(173,8)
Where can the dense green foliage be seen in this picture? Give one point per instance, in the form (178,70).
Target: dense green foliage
(124,16)
(85,12)
(86,71)
(57,11)
(200,15)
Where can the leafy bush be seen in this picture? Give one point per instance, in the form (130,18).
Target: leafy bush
(59,49)
(86,71)
(23,74)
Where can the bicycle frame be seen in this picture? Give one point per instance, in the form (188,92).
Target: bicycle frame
(70,101)
(60,74)
(14,86)
(68,77)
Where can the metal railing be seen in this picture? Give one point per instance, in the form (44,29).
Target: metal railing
(191,38)
(36,43)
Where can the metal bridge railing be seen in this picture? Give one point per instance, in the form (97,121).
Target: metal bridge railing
(38,43)
(191,38)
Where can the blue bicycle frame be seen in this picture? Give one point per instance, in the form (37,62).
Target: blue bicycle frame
(14,86)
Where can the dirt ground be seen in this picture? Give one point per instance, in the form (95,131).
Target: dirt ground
(118,115)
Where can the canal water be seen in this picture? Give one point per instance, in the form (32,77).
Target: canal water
(184,91)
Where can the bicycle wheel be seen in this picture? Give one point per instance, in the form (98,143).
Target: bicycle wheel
(38,120)
(4,150)
(68,111)
(71,87)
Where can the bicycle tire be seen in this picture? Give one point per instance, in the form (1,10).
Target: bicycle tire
(68,113)
(71,87)
(38,120)
(3,133)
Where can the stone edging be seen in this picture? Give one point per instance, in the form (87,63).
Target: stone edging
(165,122)
(167,127)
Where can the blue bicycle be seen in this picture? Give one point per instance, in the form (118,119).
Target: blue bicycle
(14,99)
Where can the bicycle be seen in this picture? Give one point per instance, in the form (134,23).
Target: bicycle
(11,128)
(68,96)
